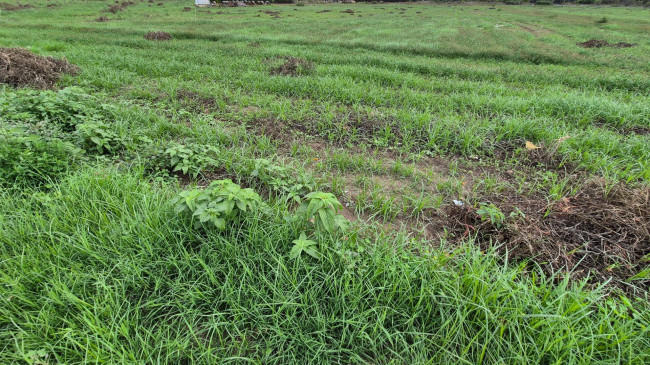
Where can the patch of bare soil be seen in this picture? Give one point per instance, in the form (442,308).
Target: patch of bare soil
(599,43)
(187,8)
(10,7)
(21,68)
(638,130)
(585,235)
(293,66)
(158,36)
(102,19)
(323,11)
(117,7)
(348,11)
(196,102)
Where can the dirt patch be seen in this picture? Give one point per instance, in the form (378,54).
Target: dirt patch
(585,235)
(196,102)
(11,7)
(187,8)
(638,130)
(254,44)
(102,19)
(599,43)
(348,11)
(22,68)
(158,36)
(275,14)
(117,7)
(323,11)
(537,31)
(293,66)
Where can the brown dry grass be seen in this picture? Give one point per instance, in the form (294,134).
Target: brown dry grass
(21,68)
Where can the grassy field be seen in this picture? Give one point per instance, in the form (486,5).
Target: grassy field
(343,183)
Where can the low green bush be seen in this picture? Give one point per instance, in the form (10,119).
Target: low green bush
(66,108)
(31,160)
(218,204)
(188,159)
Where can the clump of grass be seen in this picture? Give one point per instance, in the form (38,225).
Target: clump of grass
(602,20)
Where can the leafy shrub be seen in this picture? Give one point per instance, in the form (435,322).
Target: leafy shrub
(190,159)
(586,2)
(302,244)
(99,136)
(512,2)
(30,160)
(321,209)
(66,108)
(544,3)
(281,180)
(492,213)
(221,202)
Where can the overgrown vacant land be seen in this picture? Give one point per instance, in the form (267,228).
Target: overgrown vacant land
(354,183)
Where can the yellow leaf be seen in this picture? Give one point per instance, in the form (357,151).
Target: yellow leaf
(531,146)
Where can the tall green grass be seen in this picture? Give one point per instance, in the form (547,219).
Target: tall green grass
(100,270)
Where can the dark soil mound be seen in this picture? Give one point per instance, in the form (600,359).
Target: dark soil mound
(187,8)
(348,11)
(102,19)
(594,43)
(585,235)
(599,43)
(119,6)
(293,67)
(20,67)
(158,36)
(10,7)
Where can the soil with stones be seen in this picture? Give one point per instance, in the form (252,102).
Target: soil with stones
(158,36)
(22,68)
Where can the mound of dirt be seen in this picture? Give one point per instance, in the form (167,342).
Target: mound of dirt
(348,11)
(102,19)
(599,43)
(158,36)
(20,68)
(585,235)
(10,7)
(293,66)
(119,6)
(187,8)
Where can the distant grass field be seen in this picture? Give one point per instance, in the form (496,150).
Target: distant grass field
(492,172)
